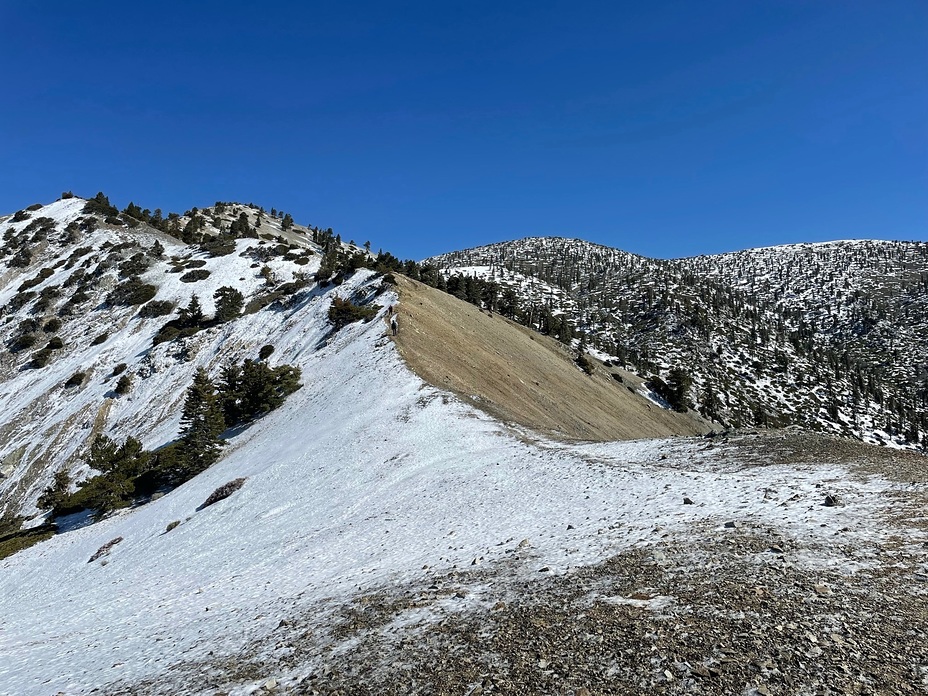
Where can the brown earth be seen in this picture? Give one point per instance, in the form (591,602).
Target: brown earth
(522,377)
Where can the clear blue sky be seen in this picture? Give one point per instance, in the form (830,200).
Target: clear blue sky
(663,128)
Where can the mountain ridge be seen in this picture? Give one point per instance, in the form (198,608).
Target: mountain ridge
(825,311)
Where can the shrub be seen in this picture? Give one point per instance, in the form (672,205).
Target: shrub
(156,308)
(75,380)
(66,195)
(584,363)
(344,312)
(22,342)
(265,352)
(194,276)
(40,358)
(223,492)
(124,385)
(100,339)
(21,258)
(131,292)
(134,265)
(41,276)
(34,207)
(119,369)
(54,343)
(220,245)
(20,216)
(172,525)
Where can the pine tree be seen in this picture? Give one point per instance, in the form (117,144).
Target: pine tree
(229,303)
(201,423)
(191,315)
(54,496)
(287,222)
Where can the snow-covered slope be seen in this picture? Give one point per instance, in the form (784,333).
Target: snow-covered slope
(366,488)
(358,482)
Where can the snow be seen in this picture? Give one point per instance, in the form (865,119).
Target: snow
(366,478)
(362,478)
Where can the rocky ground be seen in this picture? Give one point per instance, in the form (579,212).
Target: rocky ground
(730,608)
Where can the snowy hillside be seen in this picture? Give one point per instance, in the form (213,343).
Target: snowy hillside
(390,539)
(828,336)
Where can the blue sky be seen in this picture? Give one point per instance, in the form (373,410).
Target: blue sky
(663,128)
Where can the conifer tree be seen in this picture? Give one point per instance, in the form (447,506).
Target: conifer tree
(229,303)
(201,423)
(191,315)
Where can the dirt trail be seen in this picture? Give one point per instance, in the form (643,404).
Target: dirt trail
(522,377)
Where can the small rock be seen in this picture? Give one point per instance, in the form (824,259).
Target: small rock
(270,685)
(831,500)
(570,526)
(582,691)
(775,549)
(476,561)
(731,524)
(687,501)
(524,544)
(545,569)
(822,590)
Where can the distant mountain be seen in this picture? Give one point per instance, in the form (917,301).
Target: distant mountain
(831,336)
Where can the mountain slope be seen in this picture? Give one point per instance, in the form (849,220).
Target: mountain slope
(828,336)
(390,538)
(520,376)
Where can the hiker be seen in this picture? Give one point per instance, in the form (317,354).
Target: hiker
(390,311)
(393,324)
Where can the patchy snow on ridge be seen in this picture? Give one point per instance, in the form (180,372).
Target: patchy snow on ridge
(363,478)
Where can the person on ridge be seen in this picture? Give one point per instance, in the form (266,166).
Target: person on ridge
(393,324)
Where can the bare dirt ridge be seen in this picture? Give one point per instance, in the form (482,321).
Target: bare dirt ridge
(521,377)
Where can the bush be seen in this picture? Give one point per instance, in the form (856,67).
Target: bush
(344,312)
(100,339)
(40,358)
(20,300)
(20,216)
(34,207)
(75,380)
(124,385)
(23,342)
(156,308)
(194,276)
(131,292)
(223,492)
(54,343)
(41,276)
(119,369)
(584,363)
(172,525)
(265,352)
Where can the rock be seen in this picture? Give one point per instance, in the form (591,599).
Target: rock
(731,524)
(570,526)
(831,500)
(544,569)
(476,561)
(524,544)
(775,549)
(269,685)
(582,691)
(687,501)
(822,590)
